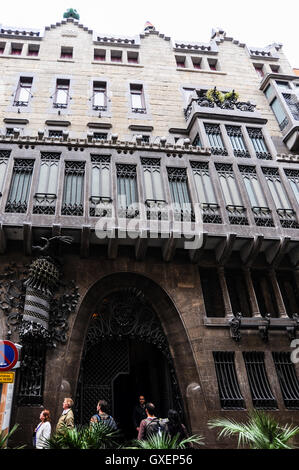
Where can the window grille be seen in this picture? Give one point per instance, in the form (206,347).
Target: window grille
(154,194)
(237,141)
(100,135)
(20,186)
(293,104)
(293,177)
(234,205)
(230,395)
(259,144)
(286,213)
(205,192)
(288,380)
(56,134)
(73,194)
(127,191)
(262,396)
(215,140)
(45,197)
(4,156)
(180,197)
(32,375)
(100,200)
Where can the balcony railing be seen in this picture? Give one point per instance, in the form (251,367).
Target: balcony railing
(237,214)
(157,209)
(139,110)
(44,203)
(211,213)
(226,104)
(100,206)
(262,216)
(287,218)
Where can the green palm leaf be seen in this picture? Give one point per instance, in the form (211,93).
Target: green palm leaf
(165,441)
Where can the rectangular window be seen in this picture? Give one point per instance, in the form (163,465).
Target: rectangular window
(238,292)
(99,54)
(229,390)
(262,396)
(205,193)
(4,156)
(282,84)
(274,68)
(132,57)
(100,200)
(116,56)
(137,99)
(2,47)
(215,139)
(127,192)
(288,380)
(259,68)
(264,293)
(23,92)
(212,292)
(66,52)
(259,144)
(279,114)
(33,50)
(196,61)
(19,190)
(234,205)
(153,188)
(259,206)
(99,101)
(180,61)
(46,194)
(181,201)
(16,49)
(61,96)
(213,64)
(293,177)
(237,141)
(73,192)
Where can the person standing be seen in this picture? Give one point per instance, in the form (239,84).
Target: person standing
(67,417)
(149,425)
(103,416)
(139,413)
(42,431)
(174,426)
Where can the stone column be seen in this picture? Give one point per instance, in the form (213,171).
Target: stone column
(278,297)
(252,297)
(225,293)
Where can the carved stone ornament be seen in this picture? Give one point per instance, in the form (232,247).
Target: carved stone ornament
(235,325)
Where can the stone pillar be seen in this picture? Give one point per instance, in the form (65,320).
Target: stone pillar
(278,297)
(225,293)
(252,297)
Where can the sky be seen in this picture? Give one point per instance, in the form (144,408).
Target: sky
(256,23)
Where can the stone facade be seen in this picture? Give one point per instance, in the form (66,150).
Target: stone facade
(247,259)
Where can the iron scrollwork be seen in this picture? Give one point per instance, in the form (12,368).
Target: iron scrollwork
(235,326)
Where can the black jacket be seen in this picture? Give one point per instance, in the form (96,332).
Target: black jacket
(138,415)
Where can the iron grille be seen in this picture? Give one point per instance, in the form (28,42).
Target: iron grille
(237,141)
(258,141)
(262,396)
(215,140)
(20,186)
(262,216)
(288,379)
(237,214)
(230,395)
(32,374)
(73,189)
(5,154)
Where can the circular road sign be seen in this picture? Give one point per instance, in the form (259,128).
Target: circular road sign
(8,355)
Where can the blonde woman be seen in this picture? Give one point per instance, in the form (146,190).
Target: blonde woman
(42,430)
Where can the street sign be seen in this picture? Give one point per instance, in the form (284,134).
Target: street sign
(7,377)
(8,355)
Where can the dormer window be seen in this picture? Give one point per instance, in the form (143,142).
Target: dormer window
(33,50)
(66,53)
(180,61)
(132,57)
(116,56)
(99,54)
(16,49)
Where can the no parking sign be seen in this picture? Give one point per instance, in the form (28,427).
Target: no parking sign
(8,355)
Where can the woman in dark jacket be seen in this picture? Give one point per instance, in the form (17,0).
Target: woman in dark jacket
(175,426)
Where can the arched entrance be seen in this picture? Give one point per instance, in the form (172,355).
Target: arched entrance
(125,354)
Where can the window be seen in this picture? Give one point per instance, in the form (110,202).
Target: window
(259,206)
(180,197)
(288,379)
(61,97)
(153,188)
(293,105)
(2,47)
(66,52)
(237,141)
(197,142)
(258,142)
(137,99)
(73,192)
(23,92)
(99,101)
(33,50)
(293,177)
(4,156)
(234,205)
(238,292)
(259,68)
(16,49)
(196,61)
(127,191)
(100,200)
(116,56)
(212,292)
(99,54)
(285,211)
(262,396)
(180,61)
(188,92)
(55,133)
(100,135)
(46,194)
(205,193)
(20,186)
(279,114)
(230,395)
(9,131)
(215,139)
(282,84)
(264,292)
(132,57)
(274,68)
(213,64)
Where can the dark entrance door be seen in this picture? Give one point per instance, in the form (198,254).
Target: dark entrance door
(126,354)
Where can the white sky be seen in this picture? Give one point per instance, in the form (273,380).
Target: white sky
(257,23)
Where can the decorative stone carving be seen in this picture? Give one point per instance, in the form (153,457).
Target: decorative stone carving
(235,325)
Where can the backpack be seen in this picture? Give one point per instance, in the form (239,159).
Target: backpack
(107,420)
(154,426)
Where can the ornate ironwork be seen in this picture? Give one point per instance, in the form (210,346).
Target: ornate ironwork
(262,216)
(100,206)
(288,379)
(262,396)
(19,189)
(44,203)
(237,214)
(157,209)
(235,326)
(229,390)
(211,213)
(288,218)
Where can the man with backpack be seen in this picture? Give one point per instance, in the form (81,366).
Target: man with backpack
(102,415)
(151,424)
